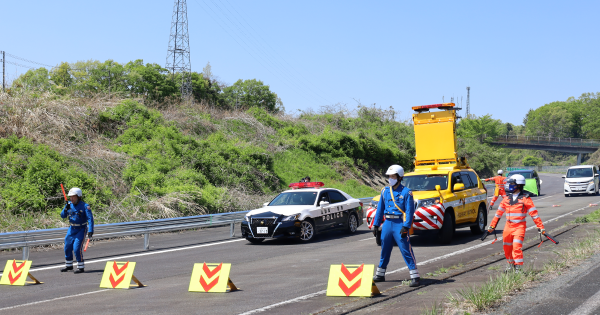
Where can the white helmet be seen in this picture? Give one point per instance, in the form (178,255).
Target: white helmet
(395,169)
(519,179)
(499,172)
(75,192)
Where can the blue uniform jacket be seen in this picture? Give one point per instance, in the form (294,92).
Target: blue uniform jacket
(404,200)
(79,214)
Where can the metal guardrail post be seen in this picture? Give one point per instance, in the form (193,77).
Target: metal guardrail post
(25,250)
(232,229)
(146,241)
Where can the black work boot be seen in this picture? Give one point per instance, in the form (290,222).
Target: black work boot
(79,270)
(415,282)
(379,275)
(377,278)
(518,269)
(65,269)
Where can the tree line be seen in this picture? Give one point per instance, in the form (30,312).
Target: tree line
(149,81)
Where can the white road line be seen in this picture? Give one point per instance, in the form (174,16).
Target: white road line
(298,299)
(589,306)
(142,254)
(366,239)
(51,300)
(308,296)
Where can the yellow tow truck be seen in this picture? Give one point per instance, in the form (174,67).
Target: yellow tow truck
(448,193)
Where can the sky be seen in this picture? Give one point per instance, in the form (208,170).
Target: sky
(515,55)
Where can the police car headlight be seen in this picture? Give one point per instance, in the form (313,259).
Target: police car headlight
(246,219)
(292,217)
(427,202)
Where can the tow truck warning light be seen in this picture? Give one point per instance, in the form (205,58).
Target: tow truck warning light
(306,185)
(426,107)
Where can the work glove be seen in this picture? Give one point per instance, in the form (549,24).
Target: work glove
(375,229)
(90,234)
(542,231)
(403,232)
(67,206)
(491,228)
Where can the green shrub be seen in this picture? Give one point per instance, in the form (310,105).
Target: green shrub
(31,176)
(164,161)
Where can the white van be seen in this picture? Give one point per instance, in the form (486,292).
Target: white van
(582,179)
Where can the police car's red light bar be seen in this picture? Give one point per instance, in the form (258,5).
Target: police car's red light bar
(443,105)
(306,185)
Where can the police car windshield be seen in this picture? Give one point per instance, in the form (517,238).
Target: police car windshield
(580,172)
(525,174)
(295,198)
(425,182)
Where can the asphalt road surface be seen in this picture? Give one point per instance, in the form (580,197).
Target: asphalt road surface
(274,277)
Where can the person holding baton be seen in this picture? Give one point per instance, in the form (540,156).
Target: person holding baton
(82,223)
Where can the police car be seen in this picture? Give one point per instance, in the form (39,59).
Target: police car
(302,212)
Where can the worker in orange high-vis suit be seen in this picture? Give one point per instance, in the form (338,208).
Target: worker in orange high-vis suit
(499,191)
(517,205)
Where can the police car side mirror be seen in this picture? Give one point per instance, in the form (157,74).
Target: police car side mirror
(564,176)
(324,203)
(596,175)
(265,204)
(459,186)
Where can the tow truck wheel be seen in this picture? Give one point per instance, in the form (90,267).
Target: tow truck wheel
(254,240)
(481,221)
(352,223)
(307,231)
(447,230)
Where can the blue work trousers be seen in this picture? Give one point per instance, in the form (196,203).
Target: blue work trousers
(74,241)
(390,231)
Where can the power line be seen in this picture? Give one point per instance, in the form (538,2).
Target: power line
(29,61)
(293,70)
(289,75)
(246,49)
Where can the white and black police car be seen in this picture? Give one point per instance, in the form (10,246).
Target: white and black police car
(302,212)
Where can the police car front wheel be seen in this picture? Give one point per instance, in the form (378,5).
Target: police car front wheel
(307,231)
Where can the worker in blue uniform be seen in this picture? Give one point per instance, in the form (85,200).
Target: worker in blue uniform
(82,223)
(397,205)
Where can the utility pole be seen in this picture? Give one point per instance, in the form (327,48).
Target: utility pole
(3,71)
(178,53)
(468,104)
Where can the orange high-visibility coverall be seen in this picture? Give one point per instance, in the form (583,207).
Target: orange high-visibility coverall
(499,180)
(514,230)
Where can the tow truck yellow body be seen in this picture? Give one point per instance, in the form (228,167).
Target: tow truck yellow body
(441,177)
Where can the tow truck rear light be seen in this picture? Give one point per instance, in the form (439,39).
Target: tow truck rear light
(306,185)
(424,107)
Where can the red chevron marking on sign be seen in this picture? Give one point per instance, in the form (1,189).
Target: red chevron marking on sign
(11,279)
(351,289)
(115,283)
(208,286)
(351,275)
(209,273)
(117,269)
(17,268)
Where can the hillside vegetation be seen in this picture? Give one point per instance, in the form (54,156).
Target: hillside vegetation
(122,134)
(137,159)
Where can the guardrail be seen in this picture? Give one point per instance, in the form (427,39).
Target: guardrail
(570,142)
(25,239)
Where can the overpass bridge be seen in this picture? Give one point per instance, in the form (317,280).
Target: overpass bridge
(567,145)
